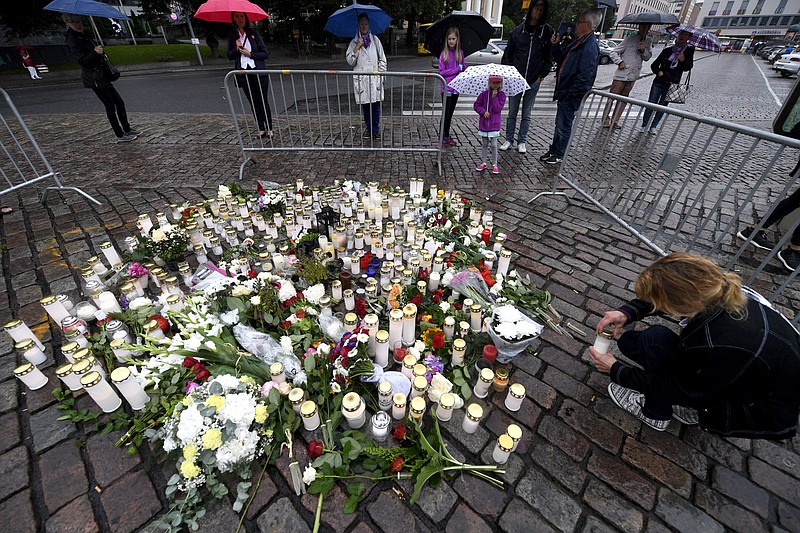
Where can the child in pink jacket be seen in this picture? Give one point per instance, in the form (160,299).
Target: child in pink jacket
(489,106)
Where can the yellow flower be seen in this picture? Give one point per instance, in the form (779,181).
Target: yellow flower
(186,401)
(212,439)
(248,380)
(190,470)
(428,336)
(190,452)
(261,413)
(216,401)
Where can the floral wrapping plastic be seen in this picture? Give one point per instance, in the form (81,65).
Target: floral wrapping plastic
(514,323)
(267,349)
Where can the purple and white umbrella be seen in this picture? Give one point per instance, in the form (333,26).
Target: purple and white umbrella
(700,38)
(475,80)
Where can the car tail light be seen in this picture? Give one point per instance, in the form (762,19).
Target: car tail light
(795,59)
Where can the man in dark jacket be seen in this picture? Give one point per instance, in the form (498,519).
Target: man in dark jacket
(668,67)
(575,77)
(90,56)
(528,50)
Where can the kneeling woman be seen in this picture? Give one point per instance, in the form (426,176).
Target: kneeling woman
(736,360)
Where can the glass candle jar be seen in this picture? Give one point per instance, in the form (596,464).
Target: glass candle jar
(379,425)
(490,353)
(459,349)
(350,321)
(472,418)
(515,432)
(349,299)
(54,308)
(73,323)
(449,328)
(113,326)
(310,415)
(418,387)
(31,376)
(502,449)
(297,396)
(382,348)
(463,329)
(385,395)
(445,410)
(97,265)
(602,342)
(354,410)
(408,366)
(277,372)
(481,388)
(409,324)
(65,374)
(19,331)
(101,392)
(500,380)
(130,388)
(399,406)
(75,337)
(516,393)
(504,262)
(28,349)
(417,409)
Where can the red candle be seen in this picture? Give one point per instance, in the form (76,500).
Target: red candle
(490,352)
(400,354)
(485,236)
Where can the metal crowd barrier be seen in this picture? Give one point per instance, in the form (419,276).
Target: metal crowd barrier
(317,110)
(690,185)
(22,162)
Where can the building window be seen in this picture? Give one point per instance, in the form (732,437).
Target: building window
(759,6)
(713,10)
(762,21)
(743,7)
(781,6)
(728,8)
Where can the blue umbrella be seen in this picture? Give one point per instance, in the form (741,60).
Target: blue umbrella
(90,8)
(344,22)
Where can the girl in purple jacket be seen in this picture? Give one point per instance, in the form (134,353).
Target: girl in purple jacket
(489,106)
(451,62)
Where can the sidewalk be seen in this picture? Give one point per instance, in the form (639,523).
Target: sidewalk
(582,465)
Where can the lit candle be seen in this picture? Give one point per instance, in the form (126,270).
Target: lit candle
(445,410)
(418,386)
(463,329)
(101,392)
(475,321)
(349,300)
(65,374)
(380,426)
(30,351)
(449,327)
(382,348)
(297,396)
(409,323)
(310,415)
(54,308)
(385,395)
(602,342)
(111,254)
(107,302)
(502,449)
(19,331)
(354,410)
(481,388)
(516,393)
(459,349)
(504,262)
(515,432)
(277,372)
(472,418)
(129,387)
(417,409)
(31,376)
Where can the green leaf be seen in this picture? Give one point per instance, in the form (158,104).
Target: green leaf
(466,391)
(235,303)
(321,486)
(351,504)
(309,364)
(355,489)
(425,473)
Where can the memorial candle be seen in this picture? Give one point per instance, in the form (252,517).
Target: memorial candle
(504,262)
(31,376)
(30,351)
(18,330)
(481,388)
(54,308)
(297,396)
(399,406)
(101,392)
(449,328)
(310,415)
(130,388)
(349,299)
(382,348)
(445,410)
(65,374)
(395,327)
(502,449)
(409,323)
(472,418)
(603,342)
(111,254)
(459,349)
(385,395)
(516,393)
(515,432)
(354,410)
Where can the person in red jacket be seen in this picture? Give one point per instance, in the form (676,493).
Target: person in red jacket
(28,64)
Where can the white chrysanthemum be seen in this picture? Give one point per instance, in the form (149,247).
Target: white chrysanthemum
(508,313)
(507,330)
(141,301)
(286,344)
(309,475)
(239,408)
(447,277)
(255,300)
(223,191)
(362,337)
(314,293)
(527,329)
(237,451)
(286,291)
(227,381)
(170,444)
(190,425)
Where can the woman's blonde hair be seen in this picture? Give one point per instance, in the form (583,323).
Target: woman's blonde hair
(683,281)
(446,50)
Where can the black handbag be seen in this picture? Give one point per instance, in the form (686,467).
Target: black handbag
(678,92)
(110,71)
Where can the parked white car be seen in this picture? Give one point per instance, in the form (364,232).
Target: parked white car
(787,65)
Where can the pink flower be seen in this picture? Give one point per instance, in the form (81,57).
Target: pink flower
(191,386)
(268,386)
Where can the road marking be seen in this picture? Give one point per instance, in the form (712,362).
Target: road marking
(775,96)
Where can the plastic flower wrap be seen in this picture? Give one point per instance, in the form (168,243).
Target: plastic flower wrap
(471,284)
(349,359)
(512,332)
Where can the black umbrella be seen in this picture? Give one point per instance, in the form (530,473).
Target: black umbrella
(474,29)
(606,3)
(649,18)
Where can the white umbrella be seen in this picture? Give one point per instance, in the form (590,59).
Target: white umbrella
(475,80)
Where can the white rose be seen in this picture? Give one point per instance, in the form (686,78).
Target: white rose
(309,475)
(158,235)
(241,290)
(223,191)
(419,345)
(255,300)
(439,385)
(444,306)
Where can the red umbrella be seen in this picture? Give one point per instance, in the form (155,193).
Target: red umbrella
(220,10)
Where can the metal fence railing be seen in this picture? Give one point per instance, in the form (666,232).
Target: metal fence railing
(692,183)
(22,162)
(318,110)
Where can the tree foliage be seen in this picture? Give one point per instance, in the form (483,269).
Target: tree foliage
(22,19)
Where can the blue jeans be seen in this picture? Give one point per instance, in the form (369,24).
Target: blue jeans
(565,116)
(372,116)
(658,93)
(513,108)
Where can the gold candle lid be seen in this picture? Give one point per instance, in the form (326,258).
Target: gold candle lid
(384,388)
(514,431)
(150,326)
(120,374)
(47,300)
(459,345)
(447,401)
(325,300)
(463,325)
(420,369)
(382,336)
(64,370)
(396,314)
(409,361)
(371,320)
(399,400)
(12,324)
(420,384)
(350,318)
(127,287)
(173,299)
(418,405)
(296,395)
(308,409)
(83,353)
(505,253)
(351,402)
(348,293)
(91,379)
(24,345)
(449,321)
(409,311)
(474,412)
(116,343)
(69,347)
(23,369)
(487,375)
(475,308)
(276,368)
(92,260)
(517,390)
(336,283)
(83,366)
(502,373)
(505,443)
(105,245)
(606,334)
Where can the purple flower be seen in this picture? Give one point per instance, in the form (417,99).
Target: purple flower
(191,386)
(137,270)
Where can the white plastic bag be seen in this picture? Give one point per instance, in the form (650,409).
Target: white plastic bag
(268,350)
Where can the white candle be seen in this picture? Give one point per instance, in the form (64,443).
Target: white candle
(130,388)
(385,395)
(297,396)
(382,348)
(111,254)
(399,406)
(355,265)
(354,410)
(54,308)
(336,290)
(459,349)
(65,374)
(145,224)
(472,418)
(449,328)
(277,372)
(380,426)
(445,410)
(20,331)
(119,352)
(515,432)
(395,327)
(30,351)
(475,321)
(502,449)
(277,261)
(504,262)
(516,393)
(350,321)
(418,386)
(433,281)
(417,409)
(108,302)
(308,410)
(602,342)
(408,366)
(371,324)
(31,376)
(101,392)
(481,388)
(409,323)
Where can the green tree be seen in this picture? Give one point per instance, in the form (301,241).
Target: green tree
(22,19)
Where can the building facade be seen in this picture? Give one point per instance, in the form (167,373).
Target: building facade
(626,7)
(749,19)
(492,10)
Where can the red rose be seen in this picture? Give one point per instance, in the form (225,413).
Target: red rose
(397,465)
(417,300)
(366,260)
(285,324)
(203,375)
(252,273)
(438,294)
(299,296)
(458,306)
(315,449)
(189,362)
(399,432)
(197,367)
(423,274)
(438,340)
(301,313)
(361,308)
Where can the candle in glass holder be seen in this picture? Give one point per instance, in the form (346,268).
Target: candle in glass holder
(472,418)
(30,351)
(379,425)
(310,415)
(475,321)
(417,409)
(349,299)
(502,449)
(500,380)
(297,396)
(350,321)
(76,337)
(354,410)
(65,374)
(101,392)
(31,376)
(504,262)
(54,308)
(409,323)
(481,388)
(385,395)
(111,254)
(459,349)
(382,348)
(449,328)
(277,372)
(19,331)
(130,388)
(445,410)
(515,432)
(399,406)
(603,341)
(395,327)
(516,393)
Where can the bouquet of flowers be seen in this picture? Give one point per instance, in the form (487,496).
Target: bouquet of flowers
(471,284)
(168,242)
(349,359)
(512,332)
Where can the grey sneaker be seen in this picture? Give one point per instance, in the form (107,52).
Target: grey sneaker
(133,132)
(126,138)
(632,401)
(505,146)
(521,148)
(685,415)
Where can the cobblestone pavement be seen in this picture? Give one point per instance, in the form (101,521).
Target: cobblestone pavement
(582,465)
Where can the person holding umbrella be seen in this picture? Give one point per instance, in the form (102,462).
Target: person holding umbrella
(629,55)
(668,67)
(365,54)
(529,50)
(249,52)
(91,57)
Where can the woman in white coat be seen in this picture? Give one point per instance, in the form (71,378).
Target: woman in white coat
(629,56)
(365,54)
